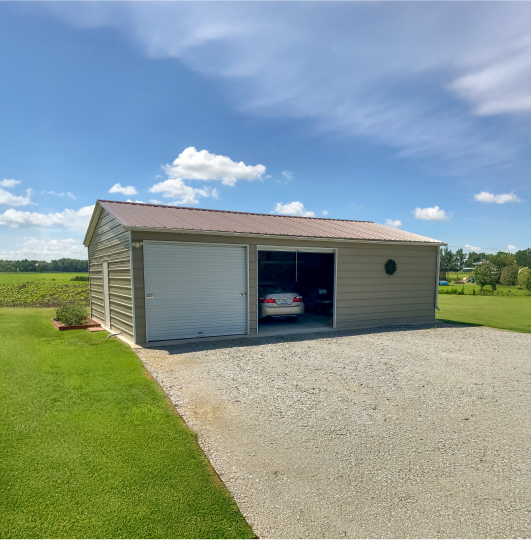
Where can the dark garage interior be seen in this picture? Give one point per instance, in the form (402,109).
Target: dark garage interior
(310,275)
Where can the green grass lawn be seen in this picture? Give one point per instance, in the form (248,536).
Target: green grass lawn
(90,447)
(505,312)
(23,277)
(469,287)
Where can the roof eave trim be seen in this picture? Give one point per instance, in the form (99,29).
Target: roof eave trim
(289,237)
(92,225)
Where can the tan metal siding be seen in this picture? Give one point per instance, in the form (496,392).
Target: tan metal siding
(110,242)
(366,295)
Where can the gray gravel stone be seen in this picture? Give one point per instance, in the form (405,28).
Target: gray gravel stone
(393,433)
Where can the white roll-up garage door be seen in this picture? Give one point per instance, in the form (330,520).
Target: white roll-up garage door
(195,290)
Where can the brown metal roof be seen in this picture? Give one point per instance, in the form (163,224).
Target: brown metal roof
(155,216)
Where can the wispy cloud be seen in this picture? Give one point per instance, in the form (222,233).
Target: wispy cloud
(431,214)
(125,190)
(39,249)
(9,199)
(9,183)
(473,248)
(295,208)
(176,188)
(416,90)
(396,223)
(502,198)
(63,194)
(74,220)
(287,174)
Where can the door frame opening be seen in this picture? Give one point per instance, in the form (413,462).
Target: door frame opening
(298,249)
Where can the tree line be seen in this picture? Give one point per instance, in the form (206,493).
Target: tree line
(60,265)
(502,267)
(455,262)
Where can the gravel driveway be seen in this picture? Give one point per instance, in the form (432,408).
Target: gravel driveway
(386,434)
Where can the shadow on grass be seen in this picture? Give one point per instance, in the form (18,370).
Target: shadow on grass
(460,323)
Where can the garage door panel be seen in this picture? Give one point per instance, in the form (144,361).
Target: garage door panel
(198,290)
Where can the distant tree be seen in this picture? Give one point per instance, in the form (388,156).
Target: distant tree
(459,259)
(61,265)
(486,274)
(502,259)
(447,260)
(523,257)
(524,278)
(509,275)
(473,257)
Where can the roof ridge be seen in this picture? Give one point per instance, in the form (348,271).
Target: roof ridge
(233,211)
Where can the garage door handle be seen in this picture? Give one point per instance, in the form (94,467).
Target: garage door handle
(243,294)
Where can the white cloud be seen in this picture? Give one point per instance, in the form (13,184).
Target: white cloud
(9,183)
(325,212)
(502,198)
(74,220)
(63,194)
(39,249)
(129,200)
(202,165)
(155,201)
(393,223)
(511,247)
(175,187)
(431,214)
(126,190)
(15,200)
(294,208)
(473,248)
(287,174)
(268,176)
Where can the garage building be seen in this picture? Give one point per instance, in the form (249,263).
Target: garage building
(161,273)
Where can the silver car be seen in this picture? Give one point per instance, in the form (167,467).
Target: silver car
(279,302)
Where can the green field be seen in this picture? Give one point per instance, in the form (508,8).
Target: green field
(90,447)
(21,277)
(505,312)
(33,289)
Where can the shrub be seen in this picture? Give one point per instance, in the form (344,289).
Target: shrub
(524,278)
(509,275)
(80,278)
(71,313)
(486,274)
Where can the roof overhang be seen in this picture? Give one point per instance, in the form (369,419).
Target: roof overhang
(284,237)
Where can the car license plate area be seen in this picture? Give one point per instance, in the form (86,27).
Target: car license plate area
(282,301)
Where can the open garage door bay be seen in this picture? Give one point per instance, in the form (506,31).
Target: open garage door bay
(195,290)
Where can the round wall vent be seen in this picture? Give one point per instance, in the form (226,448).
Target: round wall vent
(390,267)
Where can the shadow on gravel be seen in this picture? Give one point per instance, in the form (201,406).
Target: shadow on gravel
(253,341)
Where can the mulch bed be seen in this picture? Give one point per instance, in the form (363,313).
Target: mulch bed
(91,323)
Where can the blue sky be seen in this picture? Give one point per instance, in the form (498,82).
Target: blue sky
(413,114)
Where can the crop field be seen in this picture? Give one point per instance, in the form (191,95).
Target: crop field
(21,277)
(41,290)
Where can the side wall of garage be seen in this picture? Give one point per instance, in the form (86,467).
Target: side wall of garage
(110,242)
(366,296)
